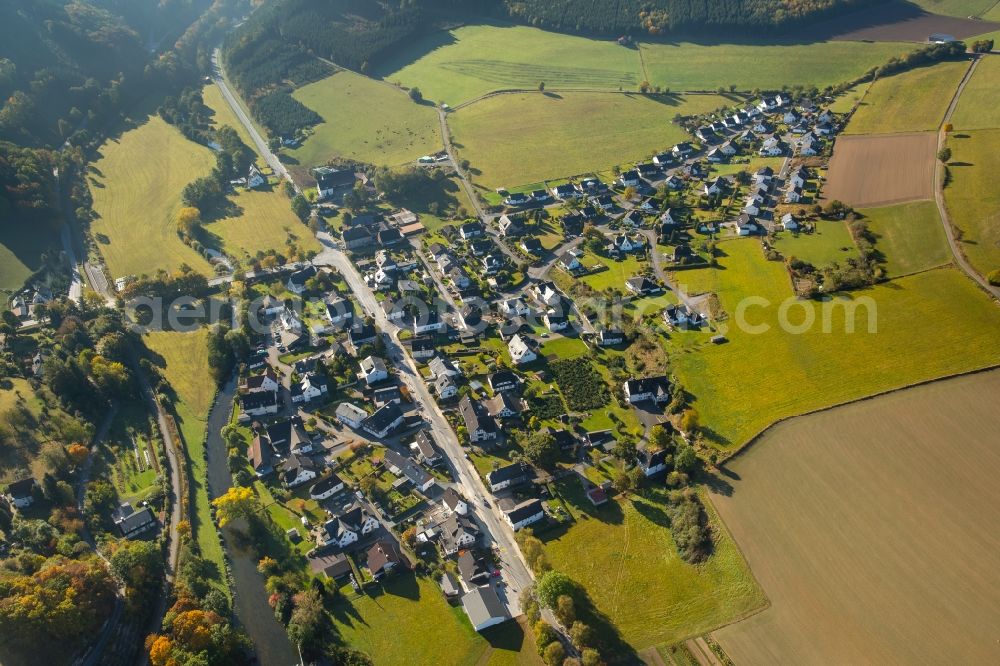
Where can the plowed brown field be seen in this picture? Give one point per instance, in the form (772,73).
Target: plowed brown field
(868,171)
(874,529)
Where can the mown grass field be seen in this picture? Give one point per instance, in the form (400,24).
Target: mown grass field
(406,620)
(136,185)
(266,221)
(223,113)
(183,360)
(696,66)
(617,272)
(894,531)
(625,557)
(846,101)
(910,236)
(911,101)
(973,197)
(526,137)
(831,242)
(365,120)
(461,64)
(979,105)
(927,326)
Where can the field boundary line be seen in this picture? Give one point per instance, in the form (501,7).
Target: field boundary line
(642,61)
(735,453)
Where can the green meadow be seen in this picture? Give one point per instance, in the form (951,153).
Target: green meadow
(926,326)
(909,235)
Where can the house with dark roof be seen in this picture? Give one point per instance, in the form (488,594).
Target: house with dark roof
(131,522)
(383,421)
(347,528)
(297,280)
(261,455)
(504,405)
(20,493)
(524,514)
(508,476)
(424,448)
(326,487)
(297,469)
(383,557)
(475,570)
(504,380)
(404,466)
(653,463)
(259,404)
(455,502)
(458,532)
(642,286)
(479,425)
(357,238)
(656,389)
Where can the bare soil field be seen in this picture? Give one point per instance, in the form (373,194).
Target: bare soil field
(874,530)
(868,171)
(899,22)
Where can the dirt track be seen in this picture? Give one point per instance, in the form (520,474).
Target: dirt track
(900,22)
(884,169)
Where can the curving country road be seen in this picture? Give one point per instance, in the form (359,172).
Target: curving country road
(949,229)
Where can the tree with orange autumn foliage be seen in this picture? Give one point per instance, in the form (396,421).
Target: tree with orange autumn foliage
(78,453)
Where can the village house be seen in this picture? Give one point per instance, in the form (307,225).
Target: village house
(373,370)
(297,469)
(789,223)
(609,337)
(424,449)
(329,180)
(427,322)
(532,246)
(458,532)
(259,404)
(508,476)
(541,196)
(479,425)
(514,307)
(357,238)
(745,224)
(470,230)
(714,187)
(682,150)
(484,608)
(311,387)
(526,513)
(133,522)
(20,494)
(407,467)
(623,243)
(630,178)
(326,488)
(445,387)
(361,334)
(503,405)
(663,160)
(383,421)
(652,463)
(266,381)
(346,528)
(350,415)
(454,502)
(799,177)
(261,455)
(565,191)
(383,557)
(520,352)
(422,347)
(680,316)
(297,280)
(516,199)
(339,311)
(642,286)
(503,380)
(387,394)
(656,389)
(555,320)
(441,366)
(771,147)
(510,226)
(569,262)
(809,145)
(793,195)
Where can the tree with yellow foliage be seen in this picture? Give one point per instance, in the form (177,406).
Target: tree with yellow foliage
(238,502)
(188,220)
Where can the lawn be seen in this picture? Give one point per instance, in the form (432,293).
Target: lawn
(846,101)
(928,325)
(873,529)
(911,101)
(365,120)
(616,274)
(265,221)
(563,347)
(973,197)
(624,555)
(831,242)
(910,236)
(136,185)
(764,65)
(467,62)
(223,113)
(133,477)
(526,137)
(979,105)
(406,620)
(183,360)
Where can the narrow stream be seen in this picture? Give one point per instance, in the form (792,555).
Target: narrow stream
(269,638)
